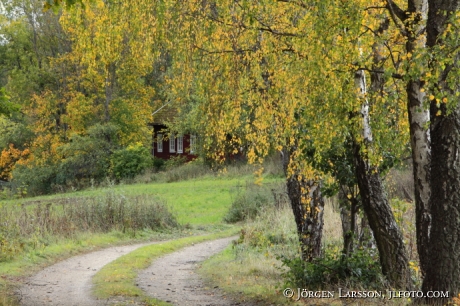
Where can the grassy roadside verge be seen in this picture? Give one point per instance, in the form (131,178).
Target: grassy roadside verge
(259,282)
(118,278)
(252,268)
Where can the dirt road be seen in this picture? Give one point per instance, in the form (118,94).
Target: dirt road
(68,283)
(171,278)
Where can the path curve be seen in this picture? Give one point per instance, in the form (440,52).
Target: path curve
(68,283)
(172,278)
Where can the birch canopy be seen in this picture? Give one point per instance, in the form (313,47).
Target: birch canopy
(273,72)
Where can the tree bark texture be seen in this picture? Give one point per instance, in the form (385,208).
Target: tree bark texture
(443,273)
(348,216)
(388,237)
(421,158)
(308,207)
(420,141)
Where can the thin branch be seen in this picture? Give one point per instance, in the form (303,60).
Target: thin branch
(393,75)
(302,5)
(398,16)
(396,10)
(222,51)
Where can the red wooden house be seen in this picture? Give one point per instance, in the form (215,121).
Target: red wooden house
(166,144)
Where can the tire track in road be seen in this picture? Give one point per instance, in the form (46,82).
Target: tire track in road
(68,283)
(172,278)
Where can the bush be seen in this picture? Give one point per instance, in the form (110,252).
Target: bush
(175,162)
(131,161)
(88,157)
(360,270)
(247,206)
(158,163)
(37,179)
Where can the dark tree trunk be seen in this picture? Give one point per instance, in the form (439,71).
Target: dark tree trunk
(388,237)
(348,214)
(308,207)
(443,273)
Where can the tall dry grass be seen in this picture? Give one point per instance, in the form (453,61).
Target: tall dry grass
(32,226)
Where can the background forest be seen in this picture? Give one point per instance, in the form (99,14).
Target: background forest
(343,90)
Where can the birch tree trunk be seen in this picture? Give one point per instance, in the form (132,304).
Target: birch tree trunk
(419,118)
(388,237)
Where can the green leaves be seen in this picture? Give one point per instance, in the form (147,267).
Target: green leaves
(7,107)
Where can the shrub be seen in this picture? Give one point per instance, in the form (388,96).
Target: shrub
(175,162)
(360,270)
(131,161)
(247,205)
(88,157)
(37,179)
(158,163)
(186,171)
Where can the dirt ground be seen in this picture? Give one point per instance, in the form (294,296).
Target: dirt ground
(68,283)
(171,278)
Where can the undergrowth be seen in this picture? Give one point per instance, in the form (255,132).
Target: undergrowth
(250,201)
(359,271)
(24,227)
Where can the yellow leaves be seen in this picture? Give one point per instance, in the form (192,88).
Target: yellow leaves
(9,158)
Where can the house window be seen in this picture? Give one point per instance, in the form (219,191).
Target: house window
(172,144)
(160,142)
(192,144)
(180,144)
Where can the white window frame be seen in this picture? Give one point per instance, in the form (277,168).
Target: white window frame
(192,143)
(159,142)
(172,144)
(180,144)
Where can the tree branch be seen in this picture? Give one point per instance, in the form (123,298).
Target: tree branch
(303,5)
(398,16)
(396,11)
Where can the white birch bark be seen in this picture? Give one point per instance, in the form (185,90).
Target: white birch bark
(360,84)
(420,140)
